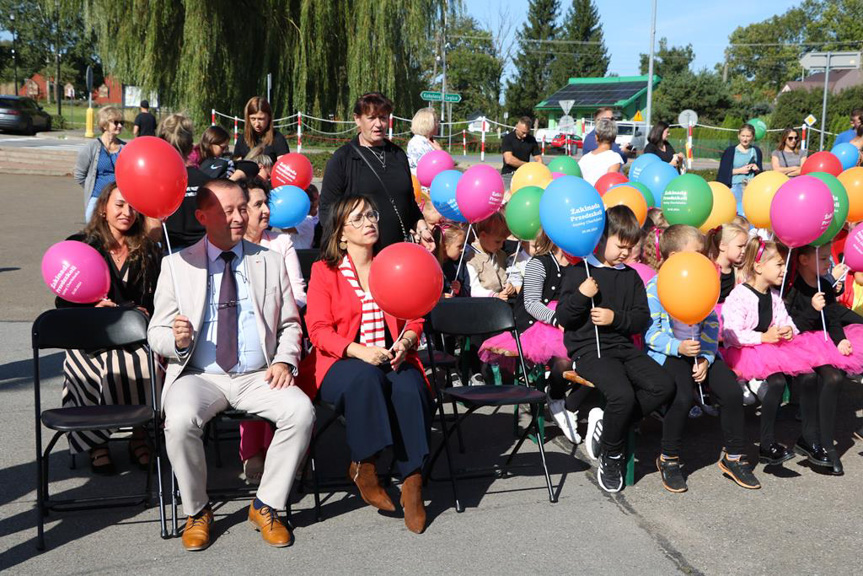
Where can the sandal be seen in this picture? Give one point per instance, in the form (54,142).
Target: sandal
(139,453)
(100,461)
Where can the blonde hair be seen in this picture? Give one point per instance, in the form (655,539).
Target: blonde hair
(751,256)
(722,235)
(742,222)
(651,250)
(424,121)
(447,237)
(178,131)
(656,216)
(108,114)
(543,245)
(676,237)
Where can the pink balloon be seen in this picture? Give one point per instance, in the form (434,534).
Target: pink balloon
(76,272)
(431,164)
(556,175)
(479,192)
(801,210)
(645,272)
(854,248)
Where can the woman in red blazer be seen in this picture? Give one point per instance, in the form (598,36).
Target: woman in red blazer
(364,365)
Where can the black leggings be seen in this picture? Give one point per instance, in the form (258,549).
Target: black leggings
(819,396)
(723,388)
(557,385)
(770,408)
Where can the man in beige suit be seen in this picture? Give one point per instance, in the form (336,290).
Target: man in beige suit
(229,328)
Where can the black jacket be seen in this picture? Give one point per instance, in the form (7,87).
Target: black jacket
(798,301)
(726,164)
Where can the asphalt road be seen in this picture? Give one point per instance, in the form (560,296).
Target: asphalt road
(801,522)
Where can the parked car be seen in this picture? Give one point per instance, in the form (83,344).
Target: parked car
(564,140)
(21,114)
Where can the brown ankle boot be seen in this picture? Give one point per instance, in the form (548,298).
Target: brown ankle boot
(365,476)
(412,502)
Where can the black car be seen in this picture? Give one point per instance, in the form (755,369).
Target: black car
(20,114)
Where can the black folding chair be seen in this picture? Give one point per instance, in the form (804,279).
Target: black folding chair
(474,317)
(92,329)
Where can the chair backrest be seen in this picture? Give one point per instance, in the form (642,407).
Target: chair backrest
(308,257)
(89,328)
(470,316)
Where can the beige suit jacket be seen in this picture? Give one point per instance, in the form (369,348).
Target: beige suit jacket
(275,310)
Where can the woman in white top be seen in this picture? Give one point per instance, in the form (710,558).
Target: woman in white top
(425,125)
(602,160)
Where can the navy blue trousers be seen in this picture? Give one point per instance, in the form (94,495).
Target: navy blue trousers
(382,408)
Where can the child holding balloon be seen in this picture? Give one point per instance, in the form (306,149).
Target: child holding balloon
(450,245)
(688,353)
(760,335)
(486,259)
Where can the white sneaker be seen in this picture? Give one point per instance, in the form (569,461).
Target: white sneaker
(476,380)
(253,469)
(565,420)
(594,432)
(748,397)
(759,388)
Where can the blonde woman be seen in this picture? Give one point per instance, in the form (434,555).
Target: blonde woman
(95,166)
(425,125)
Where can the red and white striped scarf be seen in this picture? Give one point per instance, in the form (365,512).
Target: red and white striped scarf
(372,325)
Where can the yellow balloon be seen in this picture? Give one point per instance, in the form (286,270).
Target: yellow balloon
(724,207)
(759,194)
(530,174)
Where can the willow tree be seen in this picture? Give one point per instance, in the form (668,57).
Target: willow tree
(202,54)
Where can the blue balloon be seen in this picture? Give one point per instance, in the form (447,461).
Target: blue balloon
(656,176)
(289,205)
(442,193)
(639,164)
(847,154)
(573,215)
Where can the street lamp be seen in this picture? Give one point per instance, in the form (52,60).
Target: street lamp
(14,52)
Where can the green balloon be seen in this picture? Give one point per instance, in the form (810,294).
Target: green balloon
(687,200)
(760,128)
(565,165)
(840,207)
(522,212)
(645,191)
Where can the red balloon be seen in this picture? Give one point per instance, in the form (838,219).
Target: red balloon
(822,162)
(606,181)
(152,176)
(292,170)
(406,280)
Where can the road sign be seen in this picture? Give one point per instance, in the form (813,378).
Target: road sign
(430,96)
(838,60)
(638,117)
(89,78)
(566,124)
(566,105)
(688,118)
(810,120)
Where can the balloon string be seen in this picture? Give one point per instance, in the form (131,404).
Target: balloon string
(461,258)
(838,280)
(401,334)
(818,280)
(173,271)
(785,276)
(592,306)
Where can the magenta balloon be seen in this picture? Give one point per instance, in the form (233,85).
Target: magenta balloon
(556,175)
(431,164)
(479,192)
(801,210)
(854,248)
(76,272)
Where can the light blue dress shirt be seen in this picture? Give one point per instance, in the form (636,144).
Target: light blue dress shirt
(250,352)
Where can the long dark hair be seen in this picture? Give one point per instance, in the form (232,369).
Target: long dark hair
(253,106)
(784,137)
(331,252)
(655,136)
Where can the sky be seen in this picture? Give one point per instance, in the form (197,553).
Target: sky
(706,24)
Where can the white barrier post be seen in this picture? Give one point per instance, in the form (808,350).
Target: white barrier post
(464,142)
(236,130)
(390,136)
(213,117)
(543,146)
(689,147)
(299,131)
(482,145)
(804,137)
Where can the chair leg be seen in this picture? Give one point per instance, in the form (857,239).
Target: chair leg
(175,529)
(217,447)
(157,442)
(629,480)
(551,496)
(458,505)
(316,487)
(448,376)
(40,520)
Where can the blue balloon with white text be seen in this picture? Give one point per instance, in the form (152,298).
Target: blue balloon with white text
(289,205)
(639,164)
(442,194)
(573,215)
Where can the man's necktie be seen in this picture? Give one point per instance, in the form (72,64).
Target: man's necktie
(226,336)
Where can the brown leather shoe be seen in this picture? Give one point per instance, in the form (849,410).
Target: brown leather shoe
(365,476)
(266,521)
(196,535)
(412,502)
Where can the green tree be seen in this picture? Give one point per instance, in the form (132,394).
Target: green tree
(530,83)
(580,51)
(703,92)
(474,68)
(668,61)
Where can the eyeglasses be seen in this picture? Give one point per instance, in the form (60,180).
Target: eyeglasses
(372,216)
(118,122)
(792,138)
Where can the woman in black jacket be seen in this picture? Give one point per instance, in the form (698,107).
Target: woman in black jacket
(740,163)
(373,166)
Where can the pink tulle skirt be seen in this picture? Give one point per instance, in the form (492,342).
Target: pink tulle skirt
(789,358)
(540,343)
(823,352)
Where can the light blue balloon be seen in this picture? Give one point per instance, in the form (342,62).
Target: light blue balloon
(289,205)
(442,193)
(847,153)
(639,164)
(656,176)
(573,215)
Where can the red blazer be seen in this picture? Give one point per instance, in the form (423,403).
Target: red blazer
(333,313)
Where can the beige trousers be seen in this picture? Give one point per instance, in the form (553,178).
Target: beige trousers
(195,398)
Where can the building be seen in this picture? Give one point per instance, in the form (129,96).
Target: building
(36,87)
(838,81)
(626,94)
(110,92)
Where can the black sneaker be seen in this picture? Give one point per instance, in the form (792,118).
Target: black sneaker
(814,453)
(740,471)
(672,477)
(774,454)
(610,472)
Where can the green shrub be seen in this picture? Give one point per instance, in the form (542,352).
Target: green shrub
(58,122)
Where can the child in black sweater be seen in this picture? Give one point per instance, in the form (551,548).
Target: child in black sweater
(612,300)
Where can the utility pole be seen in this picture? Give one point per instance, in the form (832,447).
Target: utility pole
(443,83)
(650,68)
(824,101)
(57,89)
(14,50)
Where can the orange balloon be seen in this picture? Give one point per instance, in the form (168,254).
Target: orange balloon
(724,207)
(418,191)
(758,195)
(688,287)
(630,197)
(852,179)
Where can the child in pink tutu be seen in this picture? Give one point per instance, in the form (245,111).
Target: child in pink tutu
(831,347)
(541,336)
(760,336)
(689,354)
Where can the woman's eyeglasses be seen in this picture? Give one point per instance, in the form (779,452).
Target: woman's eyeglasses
(372,216)
(792,138)
(118,122)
